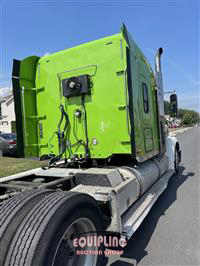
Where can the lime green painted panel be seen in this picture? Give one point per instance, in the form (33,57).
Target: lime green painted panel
(105,61)
(29,105)
(148,136)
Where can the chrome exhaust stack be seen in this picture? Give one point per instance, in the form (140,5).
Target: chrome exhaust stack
(159,81)
(158,59)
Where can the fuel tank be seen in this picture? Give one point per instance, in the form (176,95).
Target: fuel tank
(146,173)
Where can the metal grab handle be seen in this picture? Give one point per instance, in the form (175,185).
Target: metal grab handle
(127,101)
(24,118)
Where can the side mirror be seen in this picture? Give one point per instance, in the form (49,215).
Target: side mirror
(173,105)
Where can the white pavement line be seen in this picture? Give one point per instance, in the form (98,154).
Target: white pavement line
(179,131)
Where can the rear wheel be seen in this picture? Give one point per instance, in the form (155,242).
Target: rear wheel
(45,237)
(12,212)
(176,160)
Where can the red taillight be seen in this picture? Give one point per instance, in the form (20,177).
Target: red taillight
(12,142)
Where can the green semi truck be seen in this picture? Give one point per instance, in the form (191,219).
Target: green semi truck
(96,113)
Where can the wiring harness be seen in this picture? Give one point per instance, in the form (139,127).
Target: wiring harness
(64,138)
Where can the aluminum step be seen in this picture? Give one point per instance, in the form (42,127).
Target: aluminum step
(134,216)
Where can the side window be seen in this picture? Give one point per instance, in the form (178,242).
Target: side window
(145,97)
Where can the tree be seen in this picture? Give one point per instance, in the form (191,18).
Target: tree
(187,119)
(167,107)
(195,118)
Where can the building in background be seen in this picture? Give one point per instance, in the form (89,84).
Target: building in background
(7,114)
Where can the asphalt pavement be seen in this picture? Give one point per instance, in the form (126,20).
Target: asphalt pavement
(170,234)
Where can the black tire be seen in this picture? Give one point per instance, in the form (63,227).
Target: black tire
(39,240)
(12,212)
(176,160)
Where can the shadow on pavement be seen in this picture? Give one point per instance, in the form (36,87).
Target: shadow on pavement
(135,250)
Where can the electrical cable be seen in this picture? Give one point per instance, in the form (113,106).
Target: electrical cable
(85,126)
(51,146)
(61,136)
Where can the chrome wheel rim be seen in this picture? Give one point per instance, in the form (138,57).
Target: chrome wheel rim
(66,253)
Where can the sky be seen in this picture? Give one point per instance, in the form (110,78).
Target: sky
(40,27)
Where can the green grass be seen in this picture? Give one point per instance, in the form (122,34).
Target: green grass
(10,166)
